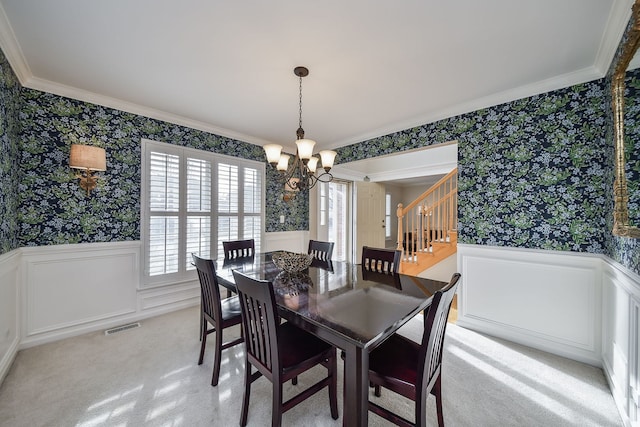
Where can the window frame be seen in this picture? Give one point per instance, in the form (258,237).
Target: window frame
(184,274)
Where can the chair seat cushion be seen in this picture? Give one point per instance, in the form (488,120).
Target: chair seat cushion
(296,345)
(396,360)
(231,308)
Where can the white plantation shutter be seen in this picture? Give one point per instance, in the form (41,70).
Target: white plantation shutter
(227,205)
(198,233)
(164,197)
(192,201)
(252,205)
(164,242)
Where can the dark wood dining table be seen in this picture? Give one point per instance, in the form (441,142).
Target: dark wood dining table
(351,309)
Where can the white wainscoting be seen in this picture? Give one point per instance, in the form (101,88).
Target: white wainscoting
(620,336)
(580,306)
(544,299)
(294,241)
(9,335)
(73,289)
(69,290)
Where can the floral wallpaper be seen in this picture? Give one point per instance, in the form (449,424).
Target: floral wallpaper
(9,156)
(534,173)
(54,210)
(531,172)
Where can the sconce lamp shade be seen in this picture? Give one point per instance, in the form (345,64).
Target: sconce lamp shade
(292,185)
(87,157)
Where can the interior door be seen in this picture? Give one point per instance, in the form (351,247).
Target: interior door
(370,212)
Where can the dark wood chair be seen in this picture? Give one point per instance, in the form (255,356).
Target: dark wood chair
(414,370)
(236,251)
(279,351)
(320,250)
(221,314)
(380,260)
(239,249)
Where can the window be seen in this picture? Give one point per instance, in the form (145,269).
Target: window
(192,200)
(387,216)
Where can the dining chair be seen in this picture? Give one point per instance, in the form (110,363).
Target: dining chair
(320,250)
(279,351)
(414,370)
(380,260)
(239,249)
(221,314)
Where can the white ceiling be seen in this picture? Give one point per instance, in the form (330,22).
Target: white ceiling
(375,66)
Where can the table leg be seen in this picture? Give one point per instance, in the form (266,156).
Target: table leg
(356,387)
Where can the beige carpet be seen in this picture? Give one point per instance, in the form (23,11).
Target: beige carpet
(149,377)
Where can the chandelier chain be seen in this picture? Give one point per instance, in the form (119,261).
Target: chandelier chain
(300,104)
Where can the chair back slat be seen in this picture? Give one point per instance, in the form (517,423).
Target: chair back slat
(380,260)
(209,290)
(434,332)
(320,250)
(260,320)
(239,249)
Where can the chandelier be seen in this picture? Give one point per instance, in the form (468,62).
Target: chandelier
(301,174)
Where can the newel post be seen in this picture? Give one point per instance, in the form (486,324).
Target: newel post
(400,214)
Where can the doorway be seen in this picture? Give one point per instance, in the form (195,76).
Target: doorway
(334,211)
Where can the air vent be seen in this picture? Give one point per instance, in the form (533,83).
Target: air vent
(121,328)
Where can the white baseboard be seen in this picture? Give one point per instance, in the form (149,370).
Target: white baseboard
(548,300)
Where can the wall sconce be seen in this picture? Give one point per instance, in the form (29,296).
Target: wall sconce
(88,159)
(289,191)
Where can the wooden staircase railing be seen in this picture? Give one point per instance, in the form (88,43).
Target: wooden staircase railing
(430,218)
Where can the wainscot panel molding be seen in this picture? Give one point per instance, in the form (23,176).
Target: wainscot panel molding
(293,241)
(9,323)
(550,300)
(68,290)
(620,336)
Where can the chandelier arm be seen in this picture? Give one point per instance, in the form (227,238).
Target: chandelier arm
(324,177)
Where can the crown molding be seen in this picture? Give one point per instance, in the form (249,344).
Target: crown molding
(614,29)
(129,107)
(559,82)
(13,52)
(11,49)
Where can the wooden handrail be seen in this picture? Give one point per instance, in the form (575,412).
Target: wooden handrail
(428,220)
(431,190)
